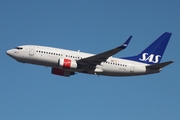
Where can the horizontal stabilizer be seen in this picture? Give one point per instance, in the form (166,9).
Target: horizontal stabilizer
(159,65)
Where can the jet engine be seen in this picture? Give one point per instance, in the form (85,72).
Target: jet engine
(61,72)
(67,64)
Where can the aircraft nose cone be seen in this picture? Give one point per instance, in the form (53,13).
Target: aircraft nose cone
(9,52)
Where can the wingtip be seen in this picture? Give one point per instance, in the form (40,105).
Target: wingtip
(127,41)
(125,44)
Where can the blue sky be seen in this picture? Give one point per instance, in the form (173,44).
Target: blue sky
(31,92)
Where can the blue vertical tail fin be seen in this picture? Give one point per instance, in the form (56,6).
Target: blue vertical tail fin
(154,52)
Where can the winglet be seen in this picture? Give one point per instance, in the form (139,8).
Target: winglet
(125,44)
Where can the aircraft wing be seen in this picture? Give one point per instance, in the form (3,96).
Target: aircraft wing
(102,57)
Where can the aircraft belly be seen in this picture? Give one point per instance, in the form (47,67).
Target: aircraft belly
(121,70)
(115,71)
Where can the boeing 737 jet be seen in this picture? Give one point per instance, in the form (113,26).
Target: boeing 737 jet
(67,62)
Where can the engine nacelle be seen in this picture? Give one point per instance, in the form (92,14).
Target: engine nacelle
(67,64)
(61,72)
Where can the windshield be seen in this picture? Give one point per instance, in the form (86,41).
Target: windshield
(19,48)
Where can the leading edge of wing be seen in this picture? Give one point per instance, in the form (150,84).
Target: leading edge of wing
(98,58)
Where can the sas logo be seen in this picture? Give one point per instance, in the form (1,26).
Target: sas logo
(151,58)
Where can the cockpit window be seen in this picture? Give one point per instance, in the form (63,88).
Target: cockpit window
(19,48)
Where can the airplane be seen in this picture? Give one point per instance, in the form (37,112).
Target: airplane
(67,62)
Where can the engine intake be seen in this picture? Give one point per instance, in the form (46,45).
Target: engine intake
(67,64)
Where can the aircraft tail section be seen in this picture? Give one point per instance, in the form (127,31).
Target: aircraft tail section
(159,65)
(154,52)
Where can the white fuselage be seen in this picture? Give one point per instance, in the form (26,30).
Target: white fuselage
(49,56)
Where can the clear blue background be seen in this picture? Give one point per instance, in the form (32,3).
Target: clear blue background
(29,92)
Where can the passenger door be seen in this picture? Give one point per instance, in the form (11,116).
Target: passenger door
(31,50)
(132,67)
